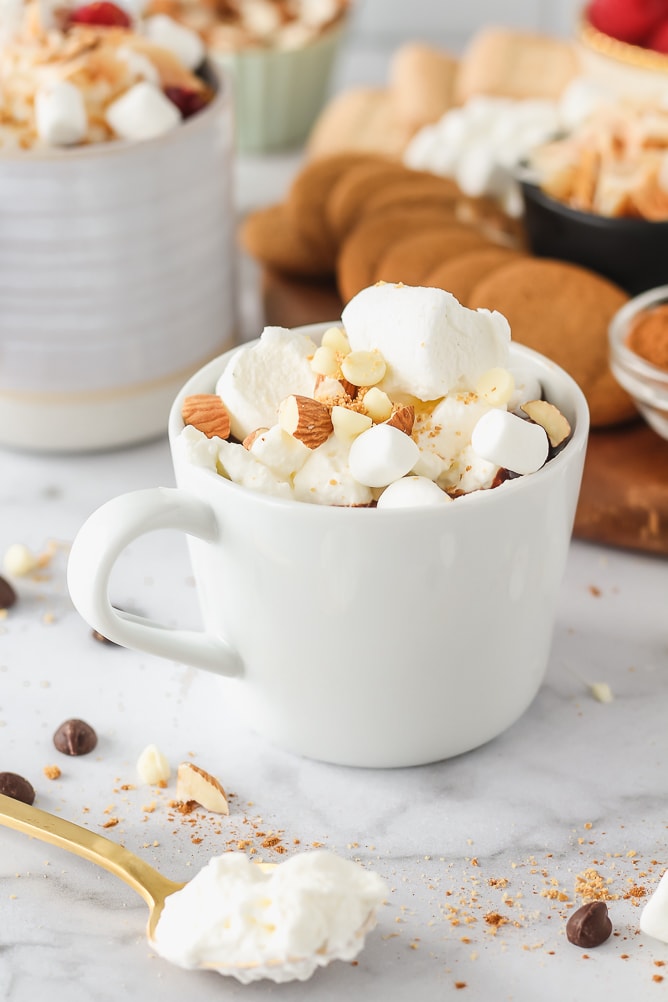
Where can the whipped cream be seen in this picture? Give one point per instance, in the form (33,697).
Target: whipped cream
(481,143)
(279,925)
(412,385)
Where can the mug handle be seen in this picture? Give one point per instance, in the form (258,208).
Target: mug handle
(95,550)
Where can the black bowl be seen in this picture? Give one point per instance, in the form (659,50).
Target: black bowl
(633,253)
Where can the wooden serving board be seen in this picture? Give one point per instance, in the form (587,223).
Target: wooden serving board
(624,496)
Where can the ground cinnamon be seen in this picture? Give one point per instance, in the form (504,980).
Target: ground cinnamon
(648,336)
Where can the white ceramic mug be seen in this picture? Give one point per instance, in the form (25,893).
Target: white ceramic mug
(118,270)
(358,636)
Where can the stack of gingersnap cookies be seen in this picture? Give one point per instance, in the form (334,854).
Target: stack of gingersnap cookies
(354,219)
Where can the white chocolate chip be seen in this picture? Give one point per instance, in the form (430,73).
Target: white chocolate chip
(601,691)
(337,339)
(377,404)
(325,362)
(19,560)
(496,386)
(152,766)
(349,424)
(363,368)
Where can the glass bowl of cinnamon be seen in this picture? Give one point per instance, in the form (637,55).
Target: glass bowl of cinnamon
(638,342)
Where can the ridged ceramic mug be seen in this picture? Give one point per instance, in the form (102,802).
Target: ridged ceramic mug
(116,281)
(359,636)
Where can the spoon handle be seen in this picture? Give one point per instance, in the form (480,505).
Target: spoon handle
(141,877)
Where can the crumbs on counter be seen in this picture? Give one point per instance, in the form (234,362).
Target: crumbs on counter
(52,772)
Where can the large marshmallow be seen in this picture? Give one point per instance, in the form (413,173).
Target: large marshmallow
(185,44)
(431,343)
(143,112)
(412,492)
(507,440)
(326,478)
(654,916)
(60,114)
(258,377)
(382,454)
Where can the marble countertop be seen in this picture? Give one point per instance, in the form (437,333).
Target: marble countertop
(485,855)
(508,830)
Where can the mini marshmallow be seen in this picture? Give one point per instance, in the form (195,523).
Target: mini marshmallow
(143,112)
(198,449)
(509,441)
(654,916)
(185,44)
(449,348)
(382,454)
(412,492)
(60,114)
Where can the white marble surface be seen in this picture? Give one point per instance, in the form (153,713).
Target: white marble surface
(574,784)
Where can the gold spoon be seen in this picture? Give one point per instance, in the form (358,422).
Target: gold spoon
(153,887)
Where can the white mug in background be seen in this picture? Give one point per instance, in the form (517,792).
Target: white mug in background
(118,263)
(358,636)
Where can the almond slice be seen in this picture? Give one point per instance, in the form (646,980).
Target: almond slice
(403,418)
(193,783)
(550,418)
(252,436)
(305,419)
(207,413)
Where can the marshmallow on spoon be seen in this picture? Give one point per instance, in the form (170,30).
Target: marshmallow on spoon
(143,112)
(382,454)
(509,441)
(450,346)
(60,114)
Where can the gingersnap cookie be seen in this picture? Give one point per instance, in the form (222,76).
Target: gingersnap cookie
(362,119)
(411,258)
(416,189)
(347,199)
(365,245)
(307,196)
(562,311)
(270,237)
(460,275)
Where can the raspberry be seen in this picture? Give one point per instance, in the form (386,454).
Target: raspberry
(658,40)
(187,101)
(627,20)
(102,13)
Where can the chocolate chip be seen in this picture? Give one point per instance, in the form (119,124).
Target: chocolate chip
(13,785)
(7,594)
(590,925)
(75,737)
